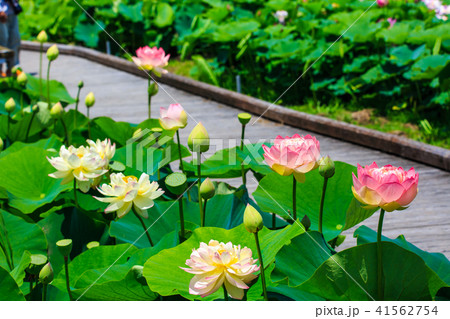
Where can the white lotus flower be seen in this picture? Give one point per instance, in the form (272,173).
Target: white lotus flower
(80,163)
(104,149)
(126,192)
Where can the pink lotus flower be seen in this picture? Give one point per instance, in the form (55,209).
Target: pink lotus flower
(293,155)
(382,3)
(218,264)
(151,59)
(387,187)
(173,118)
(391,21)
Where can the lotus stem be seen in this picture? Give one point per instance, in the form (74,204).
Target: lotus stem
(244,178)
(180,206)
(145,227)
(44,292)
(204,214)
(89,123)
(21,102)
(66,132)
(274,221)
(66,267)
(77,101)
(40,70)
(149,98)
(380,258)
(225,293)
(294,198)
(179,152)
(263,278)
(322,201)
(48,83)
(29,126)
(75,192)
(199,176)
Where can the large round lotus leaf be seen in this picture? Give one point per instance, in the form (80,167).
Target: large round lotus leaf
(24,175)
(9,291)
(163,272)
(22,236)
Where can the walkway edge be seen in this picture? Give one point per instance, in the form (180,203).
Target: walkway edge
(389,143)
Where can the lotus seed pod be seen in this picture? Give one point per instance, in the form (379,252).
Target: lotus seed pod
(64,246)
(80,84)
(92,244)
(207,189)
(56,111)
(176,183)
(46,274)
(198,140)
(52,53)
(10,105)
(244,118)
(42,37)
(37,263)
(253,221)
(22,79)
(326,167)
(90,100)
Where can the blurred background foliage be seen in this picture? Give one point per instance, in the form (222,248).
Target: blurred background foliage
(393,70)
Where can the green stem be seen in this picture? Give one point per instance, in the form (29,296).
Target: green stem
(149,99)
(89,123)
(76,108)
(322,200)
(48,83)
(75,192)
(204,213)
(380,257)
(66,132)
(5,252)
(274,221)
(29,126)
(21,102)
(31,283)
(199,182)
(179,152)
(145,228)
(180,206)
(40,71)
(263,278)
(244,178)
(225,293)
(66,267)
(44,292)
(294,198)
(8,124)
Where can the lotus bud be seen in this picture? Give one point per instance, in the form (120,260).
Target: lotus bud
(138,272)
(56,110)
(37,263)
(90,100)
(253,221)
(244,118)
(326,167)
(35,108)
(64,246)
(10,105)
(80,84)
(176,183)
(92,244)
(16,70)
(1,144)
(52,53)
(42,37)
(207,189)
(22,79)
(198,140)
(46,274)
(153,89)
(137,134)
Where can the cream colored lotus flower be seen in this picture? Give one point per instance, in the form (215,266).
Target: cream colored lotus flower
(104,149)
(216,264)
(80,163)
(127,192)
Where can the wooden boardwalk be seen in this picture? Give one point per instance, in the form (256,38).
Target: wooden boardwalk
(122,96)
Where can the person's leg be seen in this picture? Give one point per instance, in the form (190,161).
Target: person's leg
(13,37)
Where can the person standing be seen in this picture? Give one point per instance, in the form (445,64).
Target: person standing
(9,28)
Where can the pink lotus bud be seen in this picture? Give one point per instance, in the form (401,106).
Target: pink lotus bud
(387,187)
(173,118)
(382,3)
(293,155)
(151,59)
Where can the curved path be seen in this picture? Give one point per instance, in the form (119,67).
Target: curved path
(122,96)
